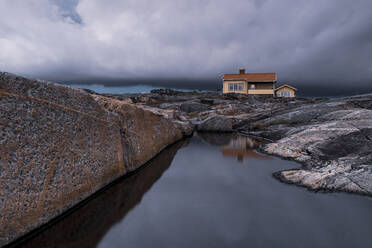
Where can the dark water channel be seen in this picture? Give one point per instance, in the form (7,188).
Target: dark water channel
(213,191)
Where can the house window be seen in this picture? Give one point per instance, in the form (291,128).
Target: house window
(235,87)
(285,94)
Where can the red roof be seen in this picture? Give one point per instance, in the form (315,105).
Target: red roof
(252,77)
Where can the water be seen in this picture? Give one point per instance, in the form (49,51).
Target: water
(129,89)
(213,191)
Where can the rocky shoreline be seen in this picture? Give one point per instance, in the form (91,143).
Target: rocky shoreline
(59,145)
(331,138)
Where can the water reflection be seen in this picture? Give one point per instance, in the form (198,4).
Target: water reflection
(86,226)
(235,145)
(216,139)
(243,147)
(205,199)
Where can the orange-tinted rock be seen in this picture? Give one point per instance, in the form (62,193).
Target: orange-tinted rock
(86,226)
(59,145)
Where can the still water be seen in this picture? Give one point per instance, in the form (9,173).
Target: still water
(213,191)
(125,89)
(99,88)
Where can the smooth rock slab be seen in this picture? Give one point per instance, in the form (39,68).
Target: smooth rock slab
(59,145)
(335,151)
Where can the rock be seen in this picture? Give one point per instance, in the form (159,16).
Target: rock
(168,106)
(89,91)
(88,224)
(166,92)
(358,143)
(189,107)
(328,136)
(359,101)
(59,145)
(217,139)
(336,176)
(216,123)
(350,114)
(207,101)
(302,115)
(334,150)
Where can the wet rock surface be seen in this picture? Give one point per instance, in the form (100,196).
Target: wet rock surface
(59,145)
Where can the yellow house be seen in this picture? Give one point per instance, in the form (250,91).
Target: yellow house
(285,91)
(250,83)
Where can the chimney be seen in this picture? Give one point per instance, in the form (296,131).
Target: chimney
(242,71)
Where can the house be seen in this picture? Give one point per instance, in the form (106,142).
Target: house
(250,83)
(285,91)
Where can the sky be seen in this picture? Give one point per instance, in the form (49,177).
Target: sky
(317,42)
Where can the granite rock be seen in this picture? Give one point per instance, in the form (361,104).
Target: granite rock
(189,107)
(334,149)
(59,145)
(216,123)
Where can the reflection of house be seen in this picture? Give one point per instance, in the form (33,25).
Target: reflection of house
(249,83)
(285,91)
(242,147)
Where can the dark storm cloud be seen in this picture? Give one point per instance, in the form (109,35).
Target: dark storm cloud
(307,42)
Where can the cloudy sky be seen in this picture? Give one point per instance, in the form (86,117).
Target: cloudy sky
(305,41)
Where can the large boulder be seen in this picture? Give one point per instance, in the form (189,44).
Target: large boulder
(59,145)
(216,123)
(87,225)
(189,107)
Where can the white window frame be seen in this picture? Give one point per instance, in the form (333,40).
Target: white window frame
(236,86)
(285,93)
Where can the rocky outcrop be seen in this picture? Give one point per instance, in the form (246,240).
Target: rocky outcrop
(59,145)
(330,137)
(86,226)
(189,107)
(216,123)
(335,153)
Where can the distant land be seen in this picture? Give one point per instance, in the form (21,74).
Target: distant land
(305,89)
